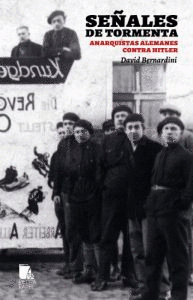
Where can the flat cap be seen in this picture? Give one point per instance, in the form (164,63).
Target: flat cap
(70,116)
(168,107)
(121,108)
(108,124)
(169,120)
(85,124)
(134,118)
(54,14)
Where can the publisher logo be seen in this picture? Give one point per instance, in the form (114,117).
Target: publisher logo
(26,277)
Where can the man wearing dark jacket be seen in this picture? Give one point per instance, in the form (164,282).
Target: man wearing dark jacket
(167,210)
(61,41)
(25,48)
(144,152)
(114,172)
(170,110)
(76,177)
(72,251)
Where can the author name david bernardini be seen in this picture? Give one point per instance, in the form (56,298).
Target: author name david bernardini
(146,60)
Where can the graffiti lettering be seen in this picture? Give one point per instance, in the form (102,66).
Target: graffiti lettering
(14,232)
(17,71)
(36,127)
(17,103)
(41,232)
(5,122)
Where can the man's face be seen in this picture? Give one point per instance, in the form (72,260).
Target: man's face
(61,133)
(109,131)
(134,131)
(58,22)
(171,133)
(166,114)
(68,127)
(81,134)
(23,34)
(119,119)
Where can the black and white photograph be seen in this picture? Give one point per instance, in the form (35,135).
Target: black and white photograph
(96,126)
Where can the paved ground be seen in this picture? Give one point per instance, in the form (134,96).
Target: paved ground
(48,284)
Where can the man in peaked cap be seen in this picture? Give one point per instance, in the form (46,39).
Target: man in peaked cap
(170,110)
(60,41)
(167,210)
(114,171)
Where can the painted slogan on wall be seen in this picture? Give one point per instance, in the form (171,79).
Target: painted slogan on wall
(34,70)
(23,102)
(28,138)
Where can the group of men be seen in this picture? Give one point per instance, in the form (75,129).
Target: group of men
(60,41)
(130,184)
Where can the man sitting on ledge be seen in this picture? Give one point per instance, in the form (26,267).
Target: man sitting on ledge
(25,48)
(61,41)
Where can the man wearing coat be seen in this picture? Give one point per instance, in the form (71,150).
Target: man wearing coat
(144,152)
(186,141)
(25,48)
(73,250)
(61,41)
(167,210)
(76,176)
(114,172)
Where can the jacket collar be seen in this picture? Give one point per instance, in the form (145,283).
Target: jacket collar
(143,141)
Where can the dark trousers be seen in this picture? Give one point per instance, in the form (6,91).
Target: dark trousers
(86,219)
(114,220)
(136,230)
(73,247)
(190,238)
(115,257)
(138,240)
(167,236)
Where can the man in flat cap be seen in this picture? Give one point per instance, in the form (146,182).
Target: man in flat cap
(167,210)
(170,110)
(108,127)
(84,200)
(69,119)
(25,48)
(114,171)
(60,41)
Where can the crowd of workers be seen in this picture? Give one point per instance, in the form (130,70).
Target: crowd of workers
(125,183)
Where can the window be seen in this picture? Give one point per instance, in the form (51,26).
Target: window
(141,87)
